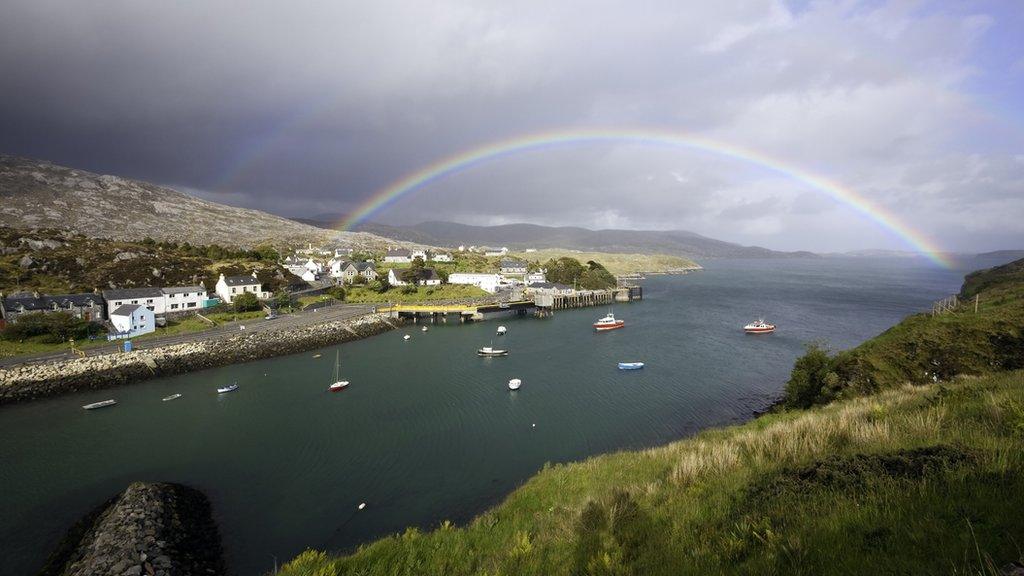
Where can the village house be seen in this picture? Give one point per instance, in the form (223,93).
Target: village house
(421,254)
(442,257)
(336,267)
(230,286)
(495,251)
(365,269)
(132,320)
(87,306)
(553,288)
(152,298)
(536,276)
(487,282)
(428,277)
(513,266)
(184,298)
(399,256)
(314,266)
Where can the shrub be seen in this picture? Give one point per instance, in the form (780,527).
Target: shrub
(811,373)
(336,292)
(360,280)
(409,289)
(246,302)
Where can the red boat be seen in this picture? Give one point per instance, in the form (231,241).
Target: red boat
(759,327)
(608,323)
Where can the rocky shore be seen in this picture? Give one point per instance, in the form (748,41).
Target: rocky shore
(28,382)
(150,529)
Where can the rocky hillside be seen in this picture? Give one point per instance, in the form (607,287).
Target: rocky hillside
(36,194)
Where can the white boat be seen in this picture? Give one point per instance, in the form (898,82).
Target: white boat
(102,404)
(502,330)
(316,355)
(425,328)
(338,384)
(514,384)
(491,351)
(759,326)
(226,389)
(608,323)
(171,397)
(630,365)
(406,337)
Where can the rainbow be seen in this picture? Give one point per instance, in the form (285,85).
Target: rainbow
(544,140)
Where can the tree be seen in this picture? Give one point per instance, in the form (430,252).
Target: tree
(359,279)
(266,252)
(382,285)
(246,302)
(283,300)
(51,327)
(336,292)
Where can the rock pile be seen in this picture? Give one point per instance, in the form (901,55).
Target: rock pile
(27,382)
(151,529)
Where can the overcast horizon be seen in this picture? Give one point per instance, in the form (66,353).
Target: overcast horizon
(311,108)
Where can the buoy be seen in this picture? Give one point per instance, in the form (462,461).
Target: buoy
(362,505)
(534,425)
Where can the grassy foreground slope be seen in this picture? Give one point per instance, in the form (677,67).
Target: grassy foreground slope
(916,480)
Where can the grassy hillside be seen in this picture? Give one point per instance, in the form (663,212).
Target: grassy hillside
(926,348)
(55,262)
(922,480)
(617,264)
(910,480)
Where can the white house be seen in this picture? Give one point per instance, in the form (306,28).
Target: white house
(184,298)
(336,267)
(495,251)
(313,266)
(230,286)
(310,276)
(512,266)
(152,298)
(442,257)
(421,254)
(398,256)
(132,320)
(536,276)
(487,282)
(550,288)
(428,277)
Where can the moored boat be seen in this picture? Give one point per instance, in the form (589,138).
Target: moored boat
(226,389)
(102,404)
(425,328)
(514,384)
(406,337)
(608,323)
(491,351)
(171,397)
(502,330)
(630,365)
(759,327)
(338,384)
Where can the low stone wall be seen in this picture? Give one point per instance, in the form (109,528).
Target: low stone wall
(28,382)
(150,529)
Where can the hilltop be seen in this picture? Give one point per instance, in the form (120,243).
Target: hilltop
(894,479)
(523,236)
(35,194)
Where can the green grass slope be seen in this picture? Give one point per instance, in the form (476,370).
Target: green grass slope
(915,480)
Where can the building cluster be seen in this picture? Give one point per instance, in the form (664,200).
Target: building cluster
(336,270)
(129,312)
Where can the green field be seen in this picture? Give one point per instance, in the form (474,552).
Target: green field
(363,294)
(894,478)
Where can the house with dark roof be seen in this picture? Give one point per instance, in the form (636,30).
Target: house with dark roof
(353,269)
(398,256)
(85,306)
(427,277)
(152,298)
(230,286)
(512,266)
(184,298)
(132,320)
(553,288)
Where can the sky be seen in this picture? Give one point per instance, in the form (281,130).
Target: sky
(306,108)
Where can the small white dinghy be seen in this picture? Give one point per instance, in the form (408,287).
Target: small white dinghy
(406,337)
(425,328)
(630,365)
(171,397)
(514,384)
(502,330)
(102,404)
(226,389)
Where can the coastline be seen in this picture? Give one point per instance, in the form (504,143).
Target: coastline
(28,382)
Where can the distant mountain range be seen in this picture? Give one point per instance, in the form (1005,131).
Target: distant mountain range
(523,236)
(35,194)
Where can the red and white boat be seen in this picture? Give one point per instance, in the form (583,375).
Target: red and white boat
(759,327)
(608,323)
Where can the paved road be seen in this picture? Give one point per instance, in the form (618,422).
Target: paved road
(294,320)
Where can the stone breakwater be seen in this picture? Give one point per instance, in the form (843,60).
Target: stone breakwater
(28,382)
(150,529)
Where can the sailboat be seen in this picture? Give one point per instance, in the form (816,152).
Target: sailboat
(338,385)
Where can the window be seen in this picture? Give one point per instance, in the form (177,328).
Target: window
(234,290)
(174,306)
(191,304)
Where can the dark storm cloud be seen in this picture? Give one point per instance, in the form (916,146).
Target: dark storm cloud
(311,107)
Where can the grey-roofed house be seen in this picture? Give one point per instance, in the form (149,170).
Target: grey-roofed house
(513,266)
(399,255)
(152,298)
(550,288)
(230,286)
(132,320)
(365,269)
(184,298)
(86,306)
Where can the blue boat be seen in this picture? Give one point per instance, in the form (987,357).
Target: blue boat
(630,365)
